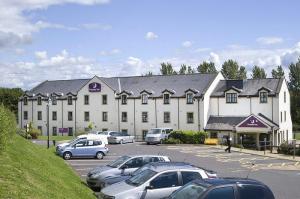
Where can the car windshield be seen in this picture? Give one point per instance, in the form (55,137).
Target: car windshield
(103,133)
(74,140)
(115,134)
(140,170)
(154,131)
(118,161)
(140,178)
(190,191)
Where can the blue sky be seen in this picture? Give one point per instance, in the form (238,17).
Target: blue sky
(63,39)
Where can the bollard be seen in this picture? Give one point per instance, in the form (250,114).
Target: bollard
(54,142)
(265,145)
(294,146)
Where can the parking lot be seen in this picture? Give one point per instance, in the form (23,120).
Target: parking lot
(282,176)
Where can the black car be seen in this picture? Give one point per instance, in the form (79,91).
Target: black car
(223,188)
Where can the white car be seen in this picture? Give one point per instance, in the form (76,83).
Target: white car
(157,135)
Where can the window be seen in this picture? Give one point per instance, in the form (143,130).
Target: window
(70,116)
(86,100)
(40,128)
(104,116)
(144,99)
(167,118)
(25,101)
(54,115)
(166,98)
(124,131)
(134,163)
(281,116)
(251,191)
(70,102)
(190,118)
(188,176)
(144,133)
(39,115)
(263,97)
(231,98)
(86,116)
(285,116)
(70,133)
(189,98)
(124,99)
(284,95)
(81,143)
(54,130)
(150,159)
(25,115)
(54,100)
(165,180)
(287,134)
(124,116)
(39,101)
(214,135)
(104,130)
(104,99)
(144,117)
(221,193)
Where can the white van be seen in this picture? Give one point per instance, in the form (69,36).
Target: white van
(157,135)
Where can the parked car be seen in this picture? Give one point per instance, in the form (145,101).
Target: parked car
(156,182)
(157,135)
(97,181)
(229,188)
(104,134)
(83,148)
(120,138)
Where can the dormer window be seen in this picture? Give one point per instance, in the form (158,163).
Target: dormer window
(54,100)
(189,98)
(25,101)
(124,99)
(166,98)
(144,99)
(263,97)
(231,98)
(70,102)
(39,101)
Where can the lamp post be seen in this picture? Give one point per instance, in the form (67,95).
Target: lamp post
(49,102)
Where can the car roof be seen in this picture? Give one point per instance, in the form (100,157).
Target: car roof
(227,181)
(135,156)
(164,166)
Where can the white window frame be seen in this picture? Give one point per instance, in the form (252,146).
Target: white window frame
(144,99)
(190,98)
(166,99)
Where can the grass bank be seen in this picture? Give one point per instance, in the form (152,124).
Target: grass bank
(57,138)
(31,171)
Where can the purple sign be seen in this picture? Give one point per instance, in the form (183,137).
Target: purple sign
(63,130)
(253,122)
(94,87)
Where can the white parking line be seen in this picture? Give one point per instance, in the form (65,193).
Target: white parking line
(84,169)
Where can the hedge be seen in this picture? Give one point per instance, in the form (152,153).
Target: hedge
(288,149)
(188,137)
(8,126)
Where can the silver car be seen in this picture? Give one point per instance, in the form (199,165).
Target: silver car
(157,135)
(156,182)
(120,138)
(124,165)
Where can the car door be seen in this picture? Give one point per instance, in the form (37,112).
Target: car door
(132,165)
(90,148)
(149,159)
(78,148)
(188,176)
(221,193)
(163,185)
(254,191)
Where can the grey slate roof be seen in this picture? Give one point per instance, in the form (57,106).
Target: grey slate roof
(223,123)
(135,84)
(249,87)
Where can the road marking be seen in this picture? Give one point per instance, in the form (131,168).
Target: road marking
(282,164)
(296,163)
(270,165)
(84,169)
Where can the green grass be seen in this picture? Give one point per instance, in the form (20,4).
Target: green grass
(297,135)
(57,138)
(31,171)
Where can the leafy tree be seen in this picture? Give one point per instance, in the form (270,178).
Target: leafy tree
(294,86)
(9,97)
(167,69)
(183,69)
(207,67)
(190,70)
(149,73)
(278,72)
(232,70)
(258,73)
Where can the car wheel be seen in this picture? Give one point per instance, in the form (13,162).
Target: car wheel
(148,143)
(99,155)
(67,155)
(161,141)
(132,141)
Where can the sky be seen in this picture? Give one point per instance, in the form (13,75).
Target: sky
(67,39)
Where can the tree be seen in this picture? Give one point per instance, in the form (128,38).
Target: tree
(190,70)
(232,70)
(149,73)
(167,69)
(183,69)
(294,86)
(207,67)
(258,73)
(278,72)
(9,97)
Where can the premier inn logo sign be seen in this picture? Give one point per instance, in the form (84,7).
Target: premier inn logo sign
(95,87)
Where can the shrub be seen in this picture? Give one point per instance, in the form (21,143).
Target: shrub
(189,137)
(22,132)
(172,141)
(34,133)
(8,126)
(288,149)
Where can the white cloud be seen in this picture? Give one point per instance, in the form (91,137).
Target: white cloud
(43,25)
(17,29)
(269,40)
(114,51)
(151,36)
(187,44)
(41,54)
(213,57)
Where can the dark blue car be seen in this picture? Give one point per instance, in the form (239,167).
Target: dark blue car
(223,188)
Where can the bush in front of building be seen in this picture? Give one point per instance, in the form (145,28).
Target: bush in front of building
(189,137)
(23,133)
(8,127)
(172,141)
(288,149)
